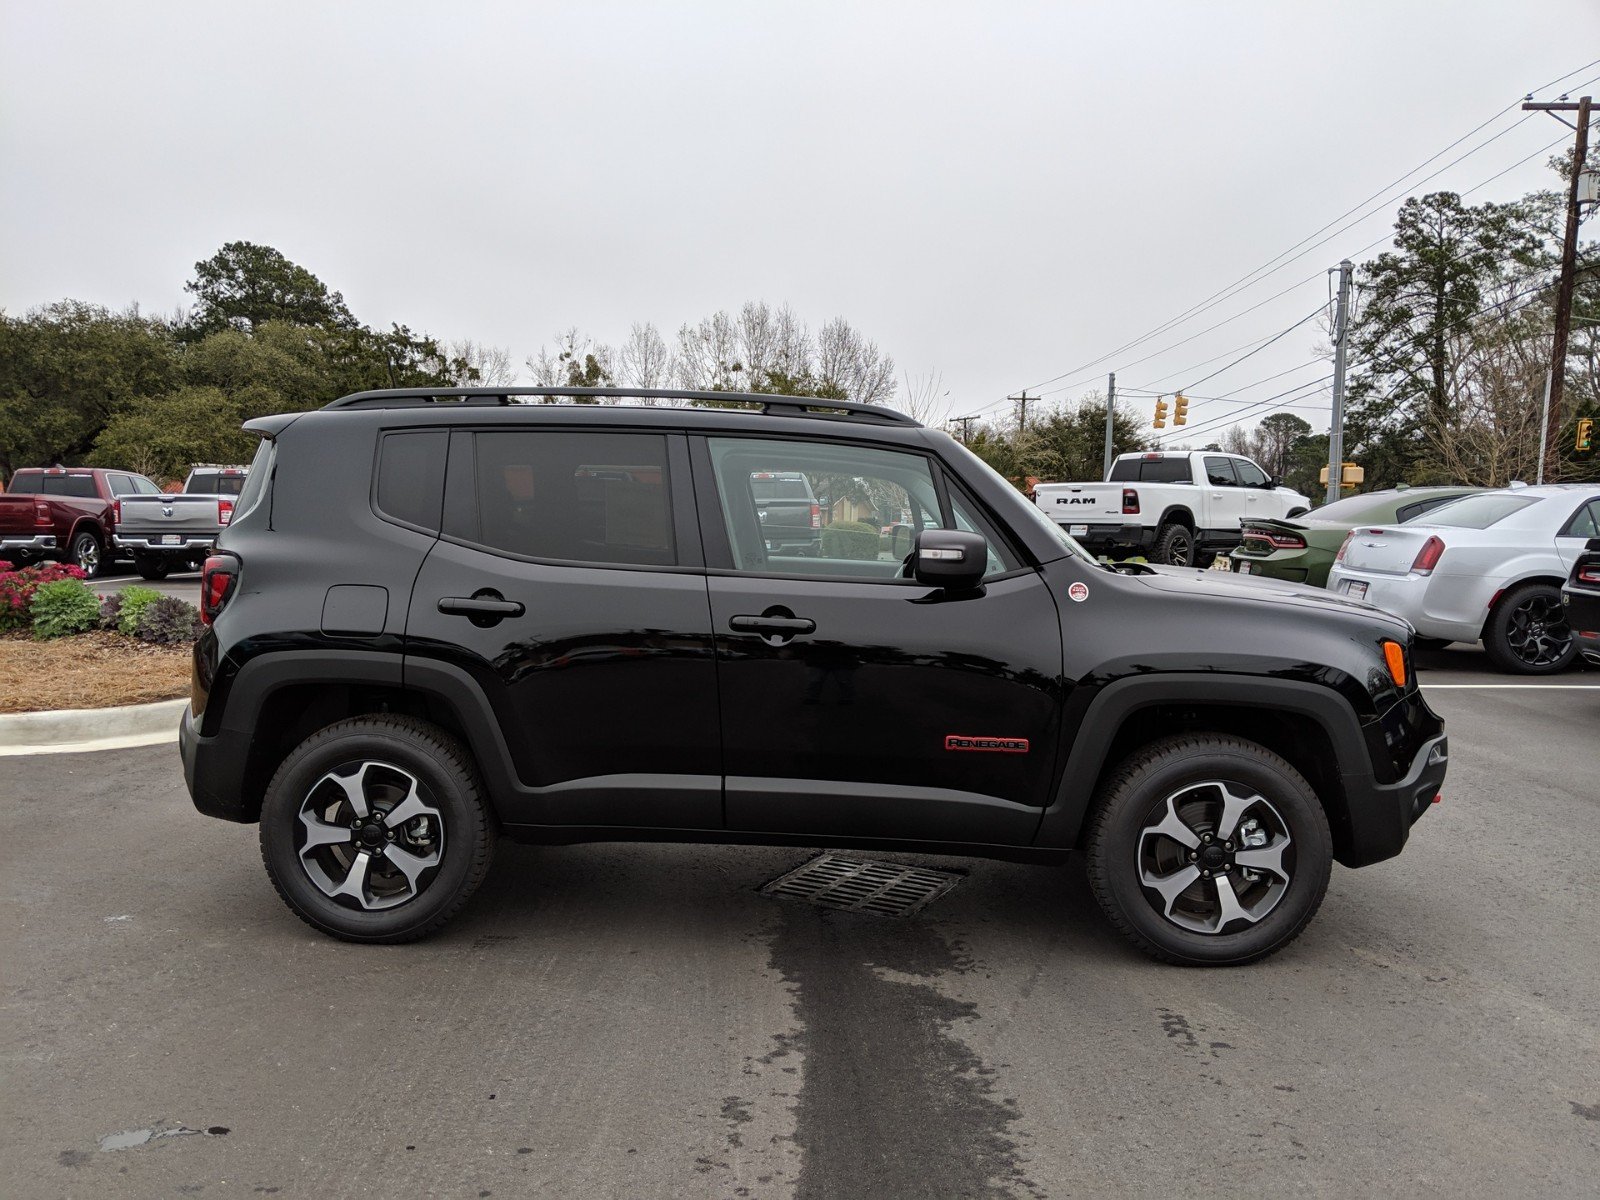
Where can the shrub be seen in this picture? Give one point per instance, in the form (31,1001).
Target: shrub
(134,601)
(63,607)
(169,622)
(110,610)
(850,539)
(18,586)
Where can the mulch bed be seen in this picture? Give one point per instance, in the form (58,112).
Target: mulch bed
(88,670)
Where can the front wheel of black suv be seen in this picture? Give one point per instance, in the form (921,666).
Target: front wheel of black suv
(374,829)
(1208,850)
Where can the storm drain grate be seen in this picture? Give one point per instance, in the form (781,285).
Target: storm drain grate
(862,885)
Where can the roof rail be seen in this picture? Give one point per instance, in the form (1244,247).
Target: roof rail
(787,406)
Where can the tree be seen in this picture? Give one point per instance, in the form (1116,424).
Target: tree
(244,285)
(1275,437)
(476,364)
(577,362)
(161,436)
(644,360)
(65,368)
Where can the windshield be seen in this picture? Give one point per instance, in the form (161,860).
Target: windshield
(1479,512)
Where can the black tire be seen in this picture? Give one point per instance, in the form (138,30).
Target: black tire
(446,783)
(1175,546)
(87,553)
(1528,634)
(152,568)
(1153,780)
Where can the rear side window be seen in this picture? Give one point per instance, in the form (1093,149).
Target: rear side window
(1151,470)
(590,497)
(24,483)
(411,477)
(1585,522)
(764,485)
(258,479)
(216,484)
(1219,472)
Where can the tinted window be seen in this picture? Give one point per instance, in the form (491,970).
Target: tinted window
(1480,512)
(766,486)
(1152,470)
(411,477)
(81,486)
(214,483)
(24,483)
(1219,472)
(575,497)
(1249,474)
(1410,512)
(1585,522)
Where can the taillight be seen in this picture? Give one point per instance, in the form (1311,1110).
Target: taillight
(816,516)
(116,512)
(1589,575)
(1343,546)
(1428,557)
(1130,500)
(41,515)
(216,585)
(224,511)
(1276,539)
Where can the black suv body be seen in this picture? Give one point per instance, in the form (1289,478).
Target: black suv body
(441,617)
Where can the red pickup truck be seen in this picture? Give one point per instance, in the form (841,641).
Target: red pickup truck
(65,512)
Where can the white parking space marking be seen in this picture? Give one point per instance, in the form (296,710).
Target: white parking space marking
(1543,687)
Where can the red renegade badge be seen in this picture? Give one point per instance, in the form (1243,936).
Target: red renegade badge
(995,745)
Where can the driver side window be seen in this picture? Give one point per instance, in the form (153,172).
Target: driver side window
(799,508)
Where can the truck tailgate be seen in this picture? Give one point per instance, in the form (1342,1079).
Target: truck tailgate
(183,515)
(1067,502)
(16,515)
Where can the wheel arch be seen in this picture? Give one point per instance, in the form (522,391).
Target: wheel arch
(1176,514)
(1310,727)
(1534,575)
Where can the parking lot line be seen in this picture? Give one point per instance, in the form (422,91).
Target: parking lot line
(1554,687)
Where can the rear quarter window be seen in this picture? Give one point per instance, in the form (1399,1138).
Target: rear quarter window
(1151,470)
(411,477)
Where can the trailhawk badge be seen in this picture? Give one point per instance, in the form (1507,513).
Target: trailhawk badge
(994,745)
(1079,592)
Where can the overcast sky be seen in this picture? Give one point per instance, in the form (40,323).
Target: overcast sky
(996,193)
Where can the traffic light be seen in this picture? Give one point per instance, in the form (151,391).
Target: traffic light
(1585,435)
(1161,414)
(1180,409)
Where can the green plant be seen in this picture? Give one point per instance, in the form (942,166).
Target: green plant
(134,601)
(850,539)
(168,622)
(18,586)
(63,607)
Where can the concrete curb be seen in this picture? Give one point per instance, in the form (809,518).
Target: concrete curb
(74,730)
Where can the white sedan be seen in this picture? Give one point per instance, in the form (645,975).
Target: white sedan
(1487,567)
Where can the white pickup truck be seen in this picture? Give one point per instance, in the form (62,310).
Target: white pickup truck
(1181,507)
(178,529)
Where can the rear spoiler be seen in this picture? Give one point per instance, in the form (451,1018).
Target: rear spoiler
(271,427)
(1272,523)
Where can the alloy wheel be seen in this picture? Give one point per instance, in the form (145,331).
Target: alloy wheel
(1537,632)
(370,836)
(86,553)
(1213,855)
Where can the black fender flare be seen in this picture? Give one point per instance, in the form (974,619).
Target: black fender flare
(1063,821)
(1176,514)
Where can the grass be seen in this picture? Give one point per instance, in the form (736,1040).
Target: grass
(89,670)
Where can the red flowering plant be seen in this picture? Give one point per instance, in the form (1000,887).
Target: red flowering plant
(17,588)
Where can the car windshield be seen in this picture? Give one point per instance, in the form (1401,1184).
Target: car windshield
(1479,512)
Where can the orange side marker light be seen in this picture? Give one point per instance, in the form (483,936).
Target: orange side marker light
(1394,654)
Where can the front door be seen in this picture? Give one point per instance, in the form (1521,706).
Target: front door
(567,584)
(856,702)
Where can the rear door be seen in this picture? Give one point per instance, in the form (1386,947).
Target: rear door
(855,702)
(567,584)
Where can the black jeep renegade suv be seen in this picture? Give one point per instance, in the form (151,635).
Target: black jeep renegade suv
(438,618)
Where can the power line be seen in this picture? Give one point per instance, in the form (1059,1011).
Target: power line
(1262,272)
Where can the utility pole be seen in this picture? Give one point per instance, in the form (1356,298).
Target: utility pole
(1022,411)
(1111,420)
(1341,344)
(1550,459)
(966,428)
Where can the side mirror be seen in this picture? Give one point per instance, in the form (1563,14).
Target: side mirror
(949,558)
(1275,482)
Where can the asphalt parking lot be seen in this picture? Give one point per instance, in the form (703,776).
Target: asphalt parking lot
(635,1020)
(184,585)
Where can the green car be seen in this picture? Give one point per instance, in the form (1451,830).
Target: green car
(1302,550)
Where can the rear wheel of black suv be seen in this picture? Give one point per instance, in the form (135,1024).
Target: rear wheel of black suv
(374,829)
(1208,850)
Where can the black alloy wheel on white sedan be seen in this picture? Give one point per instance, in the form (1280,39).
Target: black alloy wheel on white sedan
(1528,634)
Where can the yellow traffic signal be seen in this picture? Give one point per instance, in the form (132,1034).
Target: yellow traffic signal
(1161,414)
(1585,434)
(1180,409)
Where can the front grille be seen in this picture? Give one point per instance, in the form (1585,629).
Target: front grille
(862,885)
